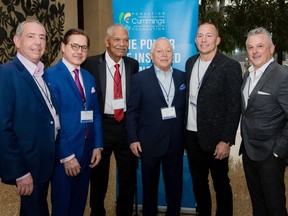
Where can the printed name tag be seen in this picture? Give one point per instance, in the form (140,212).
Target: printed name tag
(118,104)
(86,116)
(168,113)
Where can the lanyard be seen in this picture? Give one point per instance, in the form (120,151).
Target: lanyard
(198,75)
(121,66)
(167,94)
(44,91)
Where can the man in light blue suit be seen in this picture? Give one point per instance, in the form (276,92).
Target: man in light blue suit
(81,139)
(155,127)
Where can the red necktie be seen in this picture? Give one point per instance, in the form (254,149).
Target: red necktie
(81,91)
(119,113)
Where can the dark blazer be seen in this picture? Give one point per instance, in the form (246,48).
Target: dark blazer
(27,137)
(219,101)
(70,104)
(264,124)
(144,119)
(96,65)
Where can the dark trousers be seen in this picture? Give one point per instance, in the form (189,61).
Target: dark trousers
(265,181)
(36,203)
(200,163)
(172,169)
(114,141)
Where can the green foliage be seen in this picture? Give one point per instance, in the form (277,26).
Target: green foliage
(49,13)
(236,20)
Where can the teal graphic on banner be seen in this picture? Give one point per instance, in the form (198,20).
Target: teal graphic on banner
(148,20)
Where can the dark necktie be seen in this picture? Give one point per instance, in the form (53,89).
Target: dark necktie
(79,86)
(118,113)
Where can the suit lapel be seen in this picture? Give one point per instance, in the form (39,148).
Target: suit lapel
(70,80)
(31,82)
(102,77)
(245,77)
(128,73)
(176,87)
(263,79)
(154,80)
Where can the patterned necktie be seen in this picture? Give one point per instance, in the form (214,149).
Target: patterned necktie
(118,113)
(79,86)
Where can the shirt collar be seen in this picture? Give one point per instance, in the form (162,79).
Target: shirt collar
(70,67)
(159,71)
(36,70)
(261,69)
(110,62)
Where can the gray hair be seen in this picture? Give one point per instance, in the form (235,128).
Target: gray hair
(161,38)
(20,27)
(260,30)
(111,28)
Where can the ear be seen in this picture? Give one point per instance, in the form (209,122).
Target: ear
(218,40)
(63,46)
(16,40)
(272,49)
(151,56)
(106,42)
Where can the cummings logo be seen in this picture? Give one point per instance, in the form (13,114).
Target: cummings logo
(144,21)
(124,17)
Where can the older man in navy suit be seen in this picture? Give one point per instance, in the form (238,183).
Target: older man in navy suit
(28,121)
(155,126)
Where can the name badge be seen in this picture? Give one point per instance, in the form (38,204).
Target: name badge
(57,122)
(168,113)
(86,116)
(118,104)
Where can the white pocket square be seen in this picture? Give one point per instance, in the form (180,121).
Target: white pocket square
(263,93)
(93,90)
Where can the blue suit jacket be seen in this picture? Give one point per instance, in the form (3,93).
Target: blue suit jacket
(26,126)
(144,119)
(70,104)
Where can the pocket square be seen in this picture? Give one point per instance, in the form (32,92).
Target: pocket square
(182,87)
(93,90)
(263,93)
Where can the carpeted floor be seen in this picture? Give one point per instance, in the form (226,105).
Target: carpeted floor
(9,201)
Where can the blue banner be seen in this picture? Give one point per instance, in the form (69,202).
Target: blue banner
(148,20)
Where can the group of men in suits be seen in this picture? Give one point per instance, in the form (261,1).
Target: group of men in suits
(63,125)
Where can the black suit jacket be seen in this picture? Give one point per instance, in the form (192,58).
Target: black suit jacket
(96,65)
(219,101)
(264,124)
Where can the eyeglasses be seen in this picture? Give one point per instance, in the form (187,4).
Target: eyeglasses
(75,47)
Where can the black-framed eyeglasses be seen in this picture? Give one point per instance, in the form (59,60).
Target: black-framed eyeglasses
(75,47)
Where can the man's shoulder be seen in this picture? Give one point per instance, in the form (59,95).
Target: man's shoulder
(129,59)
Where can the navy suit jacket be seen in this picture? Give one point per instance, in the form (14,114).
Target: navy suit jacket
(27,136)
(96,65)
(264,124)
(70,104)
(218,102)
(144,119)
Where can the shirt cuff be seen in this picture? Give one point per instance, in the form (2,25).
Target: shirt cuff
(22,177)
(67,158)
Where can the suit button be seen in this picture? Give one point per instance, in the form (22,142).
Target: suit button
(51,122)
